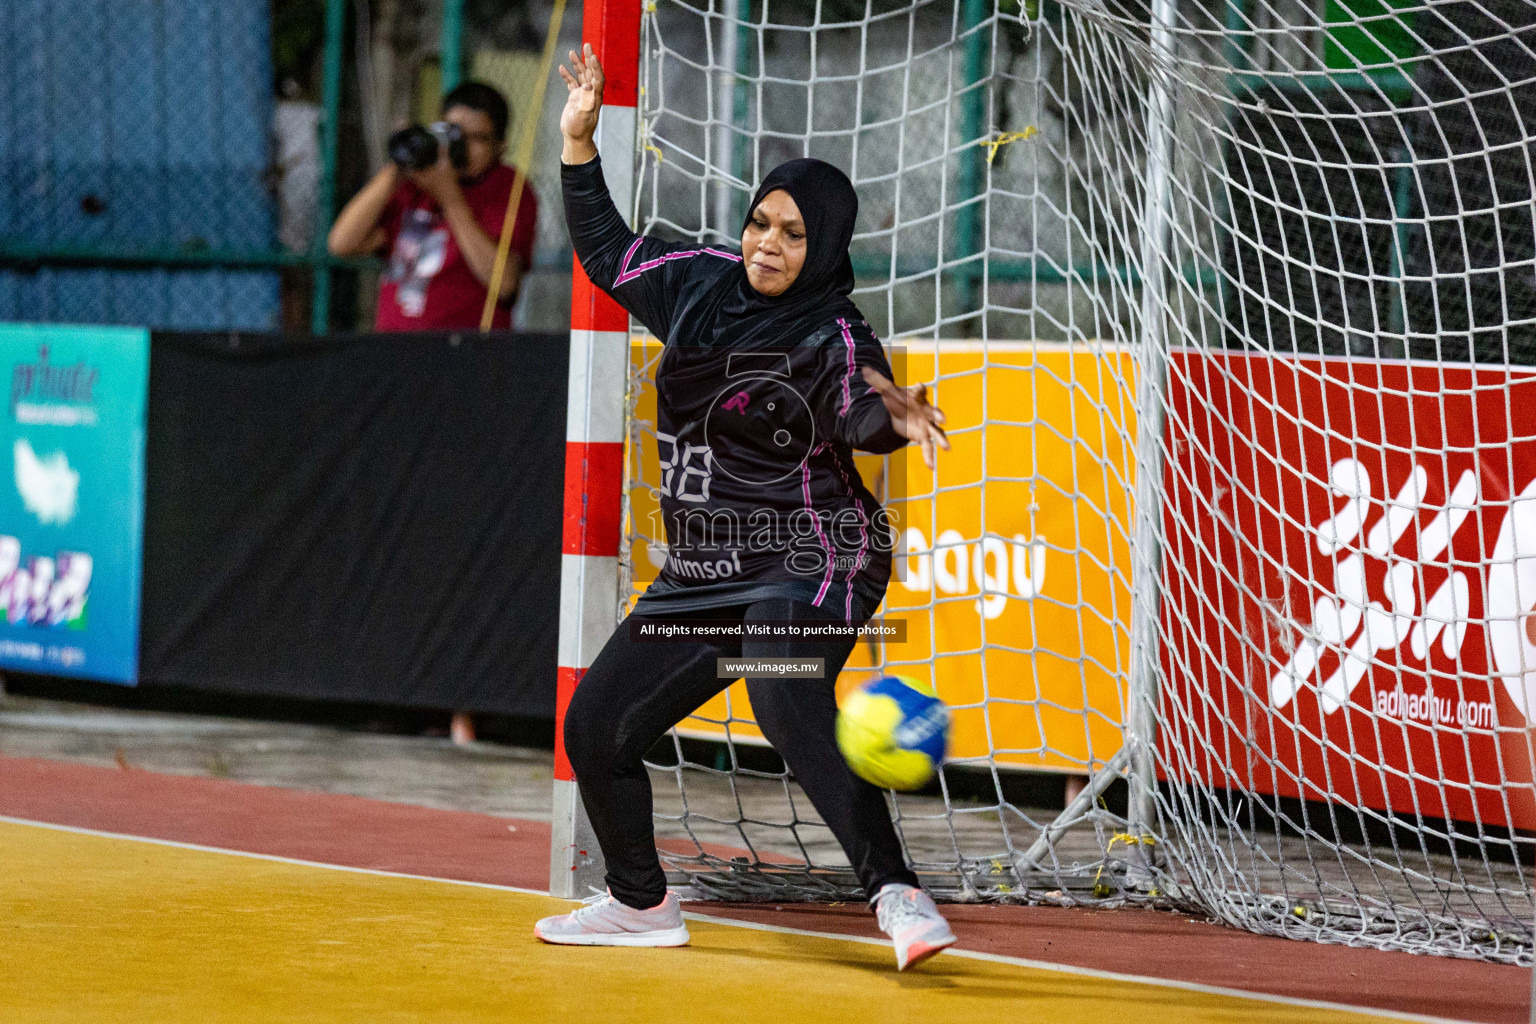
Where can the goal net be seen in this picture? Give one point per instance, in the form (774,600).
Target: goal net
(1229,577)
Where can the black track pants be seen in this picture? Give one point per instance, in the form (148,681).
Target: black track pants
(635,691)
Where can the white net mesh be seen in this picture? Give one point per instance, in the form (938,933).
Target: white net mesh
(1278,253)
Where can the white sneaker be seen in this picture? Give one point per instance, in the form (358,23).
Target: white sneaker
(914,924)
(602,920)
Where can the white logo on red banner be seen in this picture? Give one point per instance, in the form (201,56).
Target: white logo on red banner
(1349,580)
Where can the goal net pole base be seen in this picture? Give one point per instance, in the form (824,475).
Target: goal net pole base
(1080,808)
(744,881)
(576,862)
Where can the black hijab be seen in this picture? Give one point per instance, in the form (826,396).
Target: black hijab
(819,295)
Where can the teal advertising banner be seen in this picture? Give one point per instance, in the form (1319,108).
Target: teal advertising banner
(72,510)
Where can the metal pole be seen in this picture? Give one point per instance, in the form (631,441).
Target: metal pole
(1533,997)
(594,448)
(1141,716)
(1075,811)
(1236,38)
(1397,316)
(451,46)
(725,106)
(969,228)
(746,63)
(330,123)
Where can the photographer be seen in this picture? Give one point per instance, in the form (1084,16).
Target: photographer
(437,207)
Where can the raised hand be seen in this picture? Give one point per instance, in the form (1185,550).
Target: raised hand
(584,98)
(911,415)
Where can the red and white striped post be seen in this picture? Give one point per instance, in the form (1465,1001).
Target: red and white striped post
(594,445)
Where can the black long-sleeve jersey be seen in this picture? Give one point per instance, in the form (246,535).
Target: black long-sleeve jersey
(758,491)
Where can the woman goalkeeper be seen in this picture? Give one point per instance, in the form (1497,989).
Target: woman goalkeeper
(769,379)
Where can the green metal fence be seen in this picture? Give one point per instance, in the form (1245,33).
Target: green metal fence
(138,181)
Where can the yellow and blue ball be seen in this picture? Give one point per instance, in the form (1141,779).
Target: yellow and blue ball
(893,732)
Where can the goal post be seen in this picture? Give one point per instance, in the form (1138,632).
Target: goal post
(1142,697)
(595,427)
(1231,305)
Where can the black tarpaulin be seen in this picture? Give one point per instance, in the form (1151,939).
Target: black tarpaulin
(371,518)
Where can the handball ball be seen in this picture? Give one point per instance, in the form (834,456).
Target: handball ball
(893,732)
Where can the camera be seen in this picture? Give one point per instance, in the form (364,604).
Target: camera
(415,147)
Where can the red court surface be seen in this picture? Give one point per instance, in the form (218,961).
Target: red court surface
(357,832)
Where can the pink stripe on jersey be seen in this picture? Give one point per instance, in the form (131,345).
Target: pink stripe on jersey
(848,380)
(805,489)
(625,274)
(863,540)
(627,257)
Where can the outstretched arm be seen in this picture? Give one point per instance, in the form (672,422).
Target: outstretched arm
(911,415)
(639,272)
(861,406)
(598,232)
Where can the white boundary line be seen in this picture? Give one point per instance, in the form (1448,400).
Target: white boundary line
(1093,972)
(77,830)
(1039,965)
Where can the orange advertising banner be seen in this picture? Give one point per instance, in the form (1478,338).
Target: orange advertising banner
(1013,567)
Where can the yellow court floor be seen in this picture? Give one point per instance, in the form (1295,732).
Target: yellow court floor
(103,928)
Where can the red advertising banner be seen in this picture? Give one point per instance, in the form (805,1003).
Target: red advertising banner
(1350,573)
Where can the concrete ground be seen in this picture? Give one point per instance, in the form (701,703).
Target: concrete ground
(730,815)
(160,897)
(424,770)
(430,771)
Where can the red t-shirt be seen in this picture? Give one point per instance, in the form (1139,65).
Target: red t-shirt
(427,285)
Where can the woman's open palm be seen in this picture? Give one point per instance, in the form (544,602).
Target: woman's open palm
(584,94)
(911,415)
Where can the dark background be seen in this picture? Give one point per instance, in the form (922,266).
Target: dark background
(370,519)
